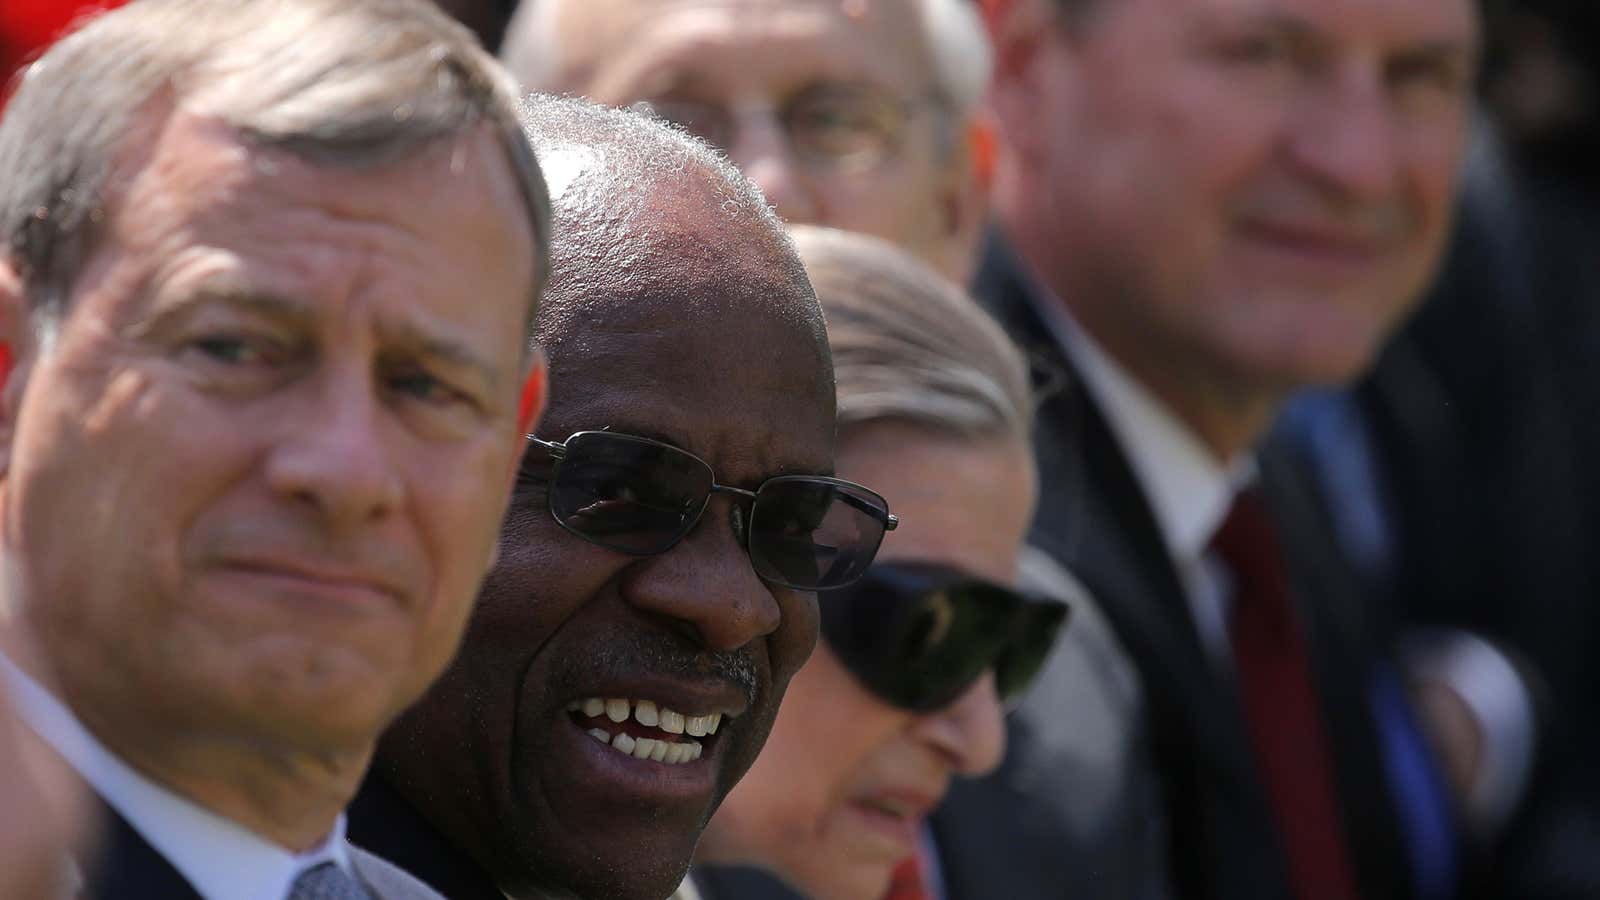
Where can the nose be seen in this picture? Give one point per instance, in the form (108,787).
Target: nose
(334,458)
(1345,136)
(969,733)
(761,150)
(706,586)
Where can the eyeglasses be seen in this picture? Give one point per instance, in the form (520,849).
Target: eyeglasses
(641,497)
(845,127)
(918,636)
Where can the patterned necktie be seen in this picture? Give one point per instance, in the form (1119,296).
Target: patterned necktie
(906,882)
(326,881)
(1281,706)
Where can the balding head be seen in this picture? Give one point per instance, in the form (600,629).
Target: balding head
(645,213)
(856,115)
(678,311)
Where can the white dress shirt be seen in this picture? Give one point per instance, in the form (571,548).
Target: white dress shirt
(1189,490)
(221,859)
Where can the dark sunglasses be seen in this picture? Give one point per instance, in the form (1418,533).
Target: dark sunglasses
(641,497)
(917,636)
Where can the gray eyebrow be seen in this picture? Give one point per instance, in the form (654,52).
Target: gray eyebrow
(231,292)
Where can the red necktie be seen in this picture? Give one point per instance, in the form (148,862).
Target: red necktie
(1281,706)
(906,883)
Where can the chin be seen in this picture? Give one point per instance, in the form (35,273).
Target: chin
(842,879)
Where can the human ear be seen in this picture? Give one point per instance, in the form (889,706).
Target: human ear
(530,406)
(1019,31)
(964,197)
(535,392)
(15,357)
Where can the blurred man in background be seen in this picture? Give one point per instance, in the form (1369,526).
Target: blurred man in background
(1212,204)
(858,115)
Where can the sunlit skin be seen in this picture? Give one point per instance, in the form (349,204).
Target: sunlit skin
(839,795)
(702,350)
(1235,197)
(254,478)
(751,56)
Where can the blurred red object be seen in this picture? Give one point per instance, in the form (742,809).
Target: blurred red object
(28,26)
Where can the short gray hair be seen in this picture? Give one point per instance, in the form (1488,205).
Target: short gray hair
(909,345)
(607,170)
(952,31)
(336,82)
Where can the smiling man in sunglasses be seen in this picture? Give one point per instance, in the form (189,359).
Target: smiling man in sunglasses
(675,512)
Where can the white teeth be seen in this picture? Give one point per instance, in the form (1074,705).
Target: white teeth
(643,747)
(714,721)
(593,707)
(671,722)
(696,725)
(659,751)
(645,712)
(617,710)
(601,735)
(623,742)
(674,754)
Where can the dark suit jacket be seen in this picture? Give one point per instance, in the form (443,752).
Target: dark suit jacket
(124,866)
(382,822)
(1095,519)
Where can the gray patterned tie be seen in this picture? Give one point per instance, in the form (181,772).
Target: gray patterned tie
(326,881)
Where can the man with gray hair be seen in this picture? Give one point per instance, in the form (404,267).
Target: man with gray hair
(674,515)
(858,115)
(266,274)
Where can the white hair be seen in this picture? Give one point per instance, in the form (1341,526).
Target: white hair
(337,82)
(952,32)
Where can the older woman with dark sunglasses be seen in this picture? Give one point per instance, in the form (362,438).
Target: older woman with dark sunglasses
(907,686)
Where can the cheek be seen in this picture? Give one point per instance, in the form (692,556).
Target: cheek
(796,636)
(827,730)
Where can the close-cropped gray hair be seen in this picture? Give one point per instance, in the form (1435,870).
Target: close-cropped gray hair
(909,345)
(607,170)
(953,32)
(336,82)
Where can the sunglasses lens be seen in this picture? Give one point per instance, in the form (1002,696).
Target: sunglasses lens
(1032,639)
(914,642)
(626,493)
(815,534)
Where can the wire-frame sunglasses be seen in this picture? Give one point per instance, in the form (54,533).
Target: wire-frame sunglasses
(640,496)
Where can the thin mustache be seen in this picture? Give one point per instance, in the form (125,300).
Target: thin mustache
(662,656)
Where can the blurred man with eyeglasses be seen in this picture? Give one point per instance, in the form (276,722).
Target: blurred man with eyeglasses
(672,519)
(856,114)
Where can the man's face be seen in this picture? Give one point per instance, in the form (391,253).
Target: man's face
(259,466)
(1249,190)
(840,75)
(699,353)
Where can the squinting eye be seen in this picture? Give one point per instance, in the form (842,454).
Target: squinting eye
(228,349)
(425,387)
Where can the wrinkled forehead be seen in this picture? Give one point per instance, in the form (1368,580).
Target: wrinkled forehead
(728,362)
(1383,23)
(617,47)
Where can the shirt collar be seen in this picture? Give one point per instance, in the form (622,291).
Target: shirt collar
(1188,489)
(221,859)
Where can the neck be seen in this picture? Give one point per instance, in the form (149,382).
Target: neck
(286,794)
(1228,410)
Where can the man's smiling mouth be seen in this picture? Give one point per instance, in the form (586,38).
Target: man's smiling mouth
(645,729)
